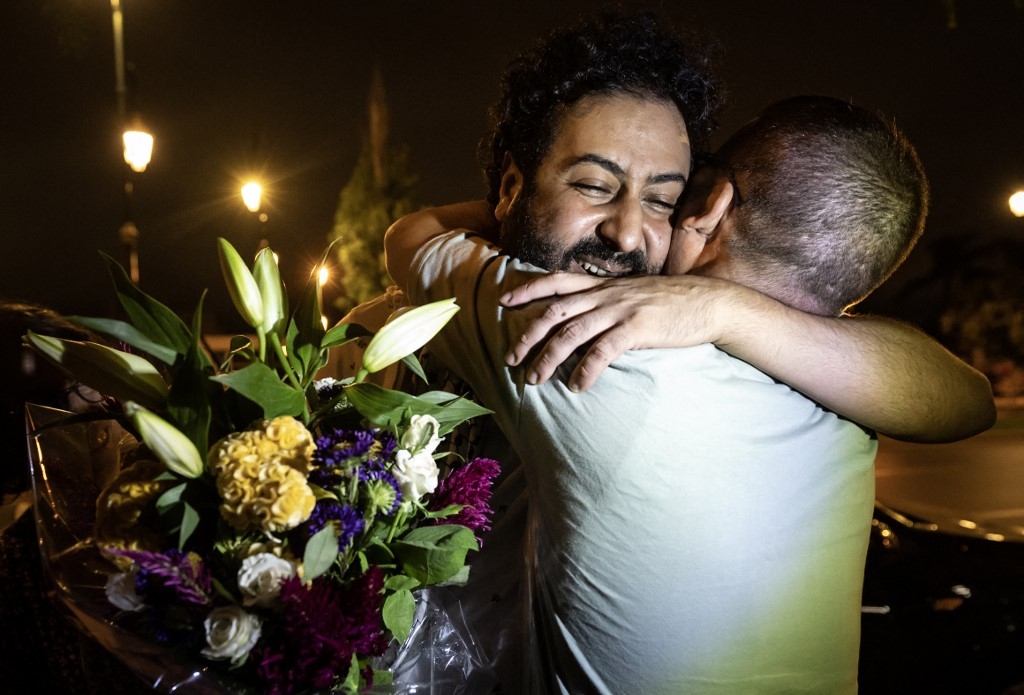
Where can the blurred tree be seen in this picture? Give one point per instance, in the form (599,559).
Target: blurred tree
(379,191)
(984,317)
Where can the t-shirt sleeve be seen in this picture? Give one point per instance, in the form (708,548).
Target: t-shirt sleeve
(463,265)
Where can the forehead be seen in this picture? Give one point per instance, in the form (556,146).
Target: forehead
(647,135)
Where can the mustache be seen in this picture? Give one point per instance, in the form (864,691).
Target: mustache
(636,260)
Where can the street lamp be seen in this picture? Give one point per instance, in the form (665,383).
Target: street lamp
(252,192)
(138,147)
(252,197)
(137,143)
(1017,204)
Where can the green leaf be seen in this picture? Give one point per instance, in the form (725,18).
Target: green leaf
(130,335)
(342,333)
(170,499)
(398,612)
(321,552)
(150,317)
(189,403)
(189,523)
(351,683)
(398,582)
(385,407)
(306,329)
(413,364)
(433,554)
(454,409)
(262,385)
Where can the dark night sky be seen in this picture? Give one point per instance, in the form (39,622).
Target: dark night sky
(228,84)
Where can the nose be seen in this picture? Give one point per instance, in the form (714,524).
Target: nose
(624,228)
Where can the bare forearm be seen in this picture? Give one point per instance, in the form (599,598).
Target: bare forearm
(409,233)
(881,373)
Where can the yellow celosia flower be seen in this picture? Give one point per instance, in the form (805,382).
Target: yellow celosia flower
(122,508)
(261,475)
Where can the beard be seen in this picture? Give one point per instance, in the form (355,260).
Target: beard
(528,237)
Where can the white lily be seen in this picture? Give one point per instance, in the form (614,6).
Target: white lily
(271,290)
(167,442)
(245,293)
(406,333)
(111,372)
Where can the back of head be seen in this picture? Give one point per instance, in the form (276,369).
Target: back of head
(832,199)
(631,54)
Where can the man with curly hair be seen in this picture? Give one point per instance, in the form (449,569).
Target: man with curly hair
(695,525)
(655,85)
(590,152)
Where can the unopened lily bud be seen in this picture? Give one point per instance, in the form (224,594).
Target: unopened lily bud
(111,372)
(406,333)
(167,442)
(268,282)
(245,294)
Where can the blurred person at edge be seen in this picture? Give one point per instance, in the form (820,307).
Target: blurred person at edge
(39,644)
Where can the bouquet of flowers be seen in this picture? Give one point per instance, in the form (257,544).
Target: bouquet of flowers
(272,523)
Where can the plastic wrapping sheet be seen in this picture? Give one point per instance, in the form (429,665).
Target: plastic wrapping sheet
(70,465)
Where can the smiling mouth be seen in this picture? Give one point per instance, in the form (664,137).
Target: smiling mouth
(597,271)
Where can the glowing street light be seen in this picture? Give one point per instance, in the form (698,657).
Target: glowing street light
(138,148)
(1017,204)
(252,193)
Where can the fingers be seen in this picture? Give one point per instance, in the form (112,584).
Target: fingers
(605,350)
(551,285)
(558,315)
(572,335)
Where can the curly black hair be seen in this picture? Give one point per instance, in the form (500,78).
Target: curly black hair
(610,53)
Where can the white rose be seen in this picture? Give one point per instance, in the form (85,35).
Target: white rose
(260,577)
(421,436)
(120,590)
(416,475)
(230,633)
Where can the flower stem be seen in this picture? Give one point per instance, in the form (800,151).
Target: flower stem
(398,520)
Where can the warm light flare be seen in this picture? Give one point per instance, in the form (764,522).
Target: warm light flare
(252,192)
(1017,204)
(323,275)
(138,149)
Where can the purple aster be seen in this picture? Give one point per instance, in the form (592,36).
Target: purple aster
(470,486)
(337,454)
(177,589)
(349,521)
(170,576)
(386,495)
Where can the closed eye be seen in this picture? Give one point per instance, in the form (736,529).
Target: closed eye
(592,189)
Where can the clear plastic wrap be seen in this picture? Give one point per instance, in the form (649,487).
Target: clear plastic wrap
(70,465)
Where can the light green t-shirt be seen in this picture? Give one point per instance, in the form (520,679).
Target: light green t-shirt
(695,526)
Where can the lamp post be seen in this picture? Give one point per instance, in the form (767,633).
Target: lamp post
(137,143)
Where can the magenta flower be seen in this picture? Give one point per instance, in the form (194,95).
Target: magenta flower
(469,485)
(321,627)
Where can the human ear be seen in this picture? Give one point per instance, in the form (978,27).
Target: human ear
(509,189)
(698,232)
